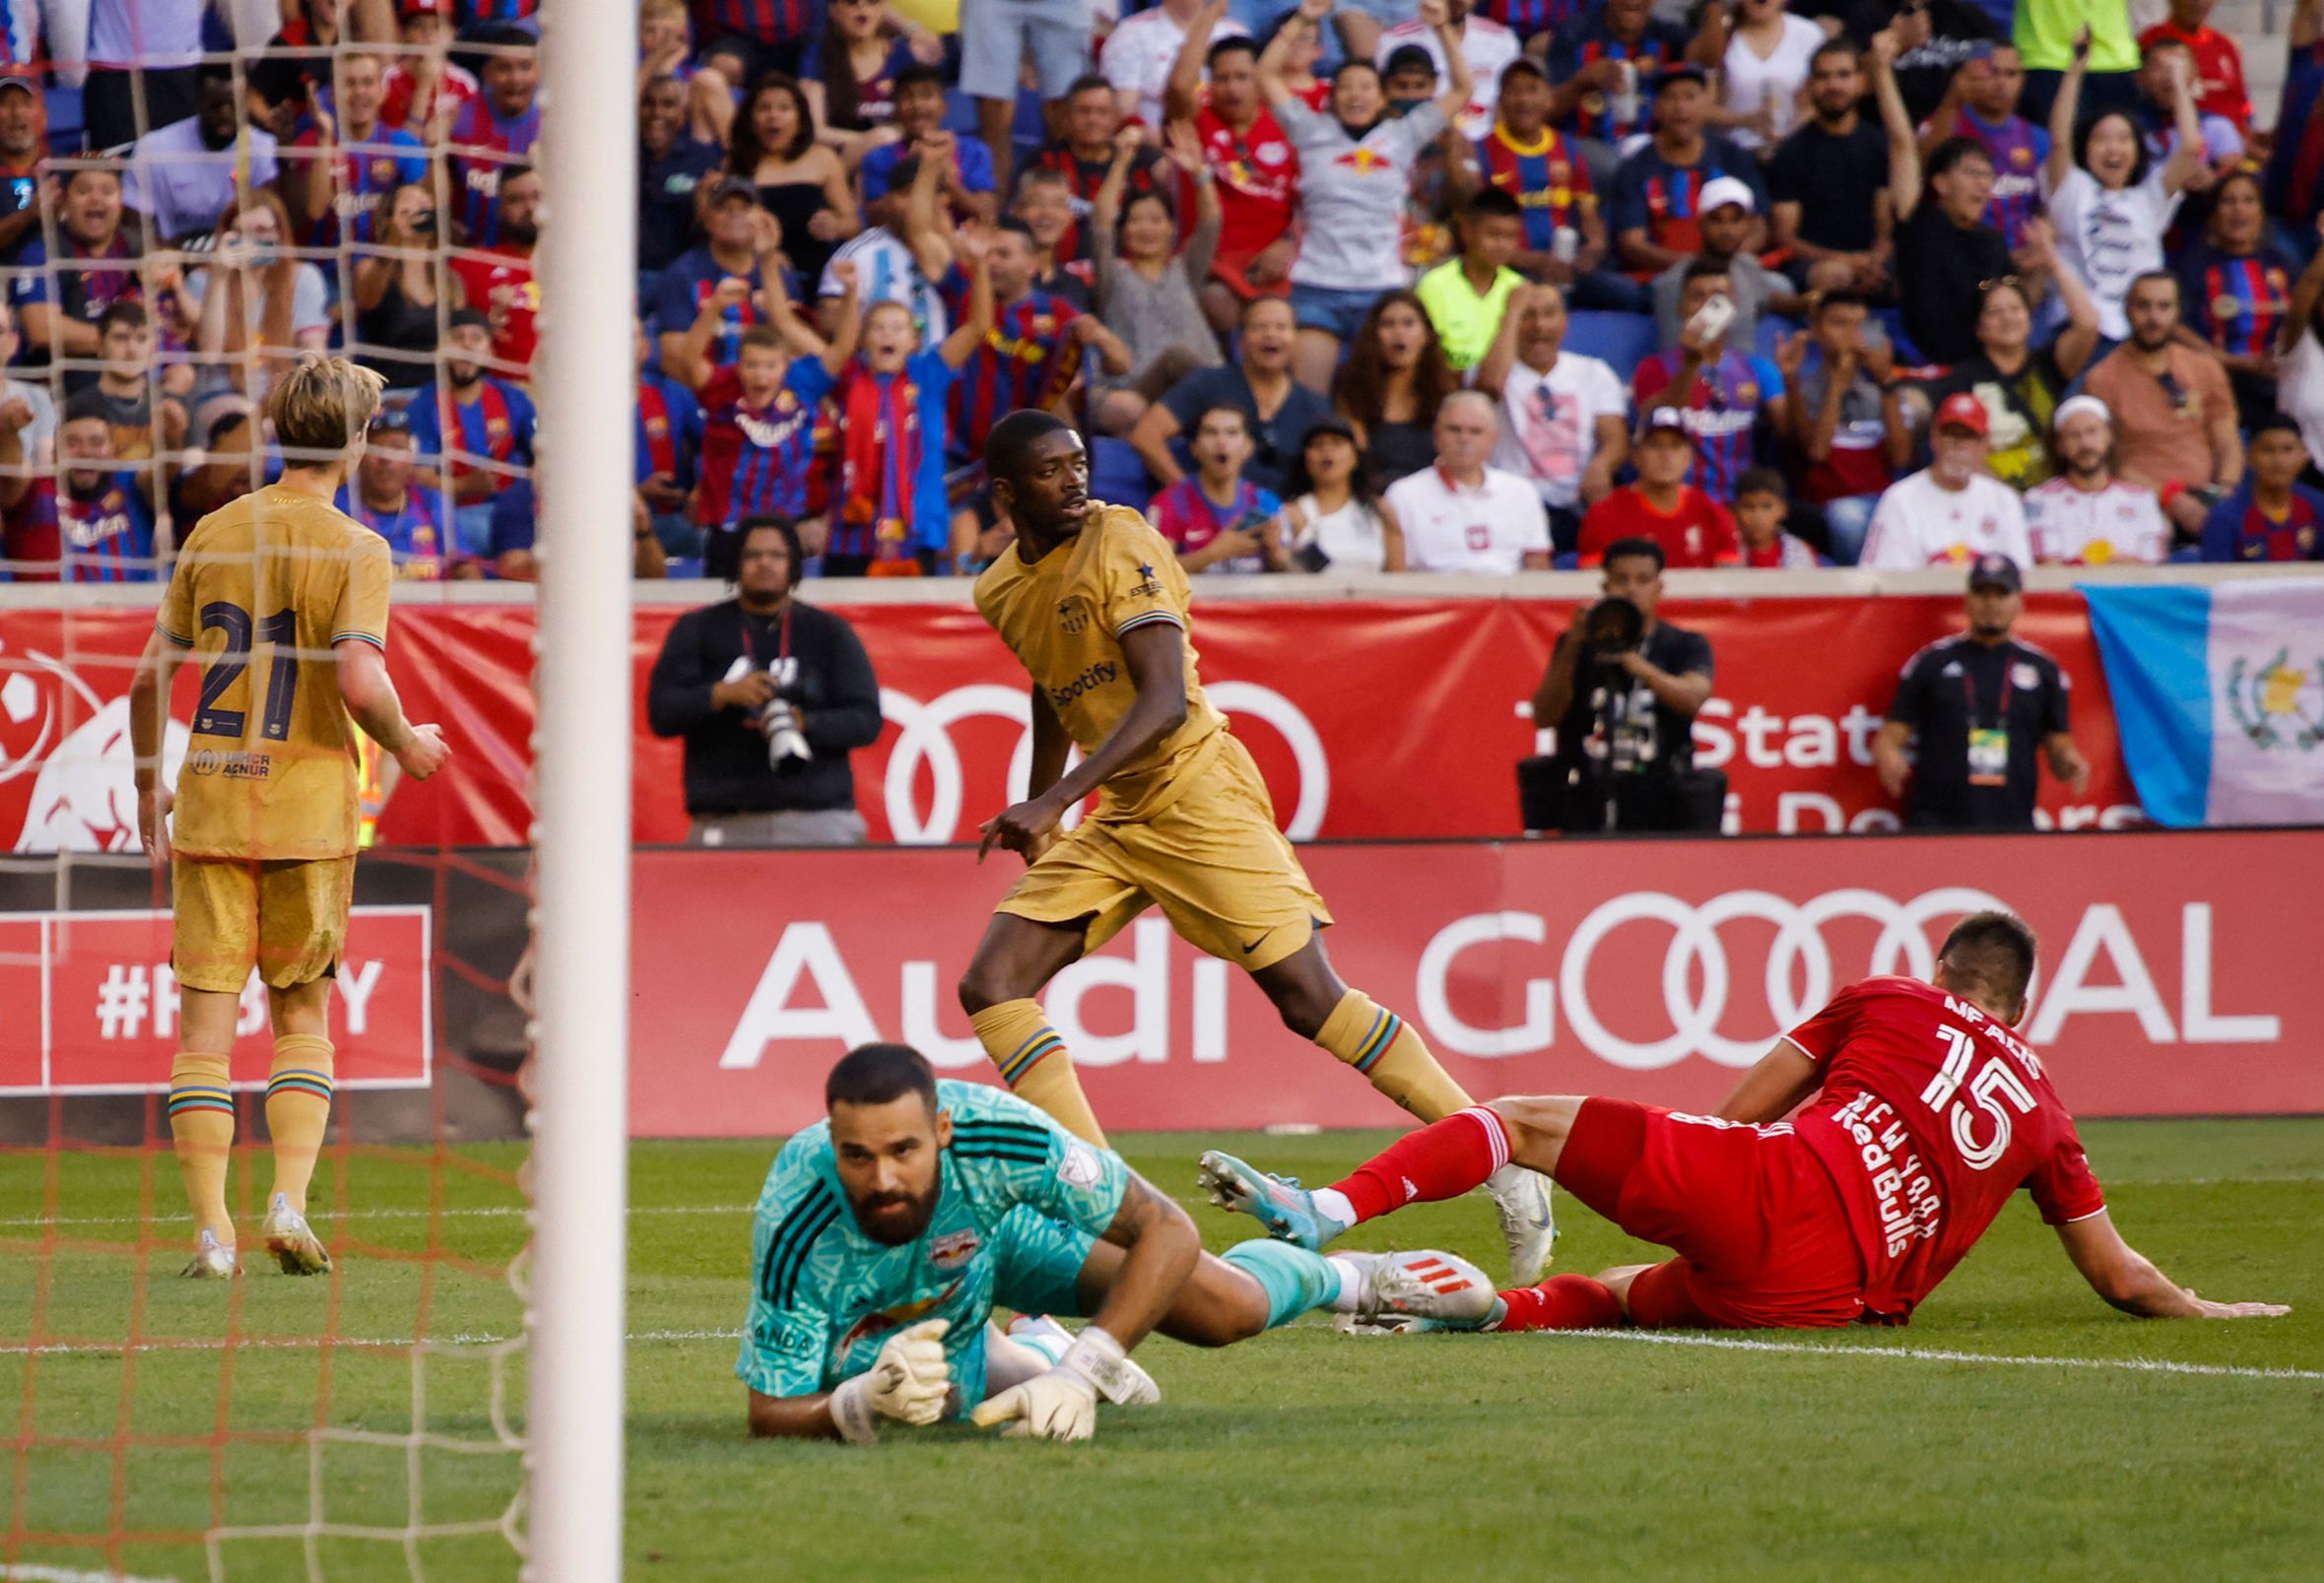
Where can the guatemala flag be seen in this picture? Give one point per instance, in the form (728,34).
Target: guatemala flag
(2219,696)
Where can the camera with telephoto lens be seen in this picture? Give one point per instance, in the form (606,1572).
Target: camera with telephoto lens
(785,739)
(1611,629)
(423,223)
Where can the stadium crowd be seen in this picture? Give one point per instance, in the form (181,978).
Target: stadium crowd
(1365,285)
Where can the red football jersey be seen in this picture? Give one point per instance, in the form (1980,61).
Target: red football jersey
(484,273)
(1256,171)
(1698,532)
(1929,1116)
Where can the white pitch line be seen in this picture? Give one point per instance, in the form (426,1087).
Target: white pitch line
(34,1572)
(1939,1355)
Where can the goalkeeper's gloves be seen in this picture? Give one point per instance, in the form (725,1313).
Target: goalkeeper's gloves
(1062,1404)
(909,1381)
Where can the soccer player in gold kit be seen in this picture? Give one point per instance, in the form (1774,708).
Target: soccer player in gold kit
(281,603)
(1094,604)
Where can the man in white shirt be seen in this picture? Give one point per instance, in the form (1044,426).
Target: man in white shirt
(1953,512)
(181,176)
(1564,418)
(1138,59)
(1462,515)
(1486,45)
(2087,516)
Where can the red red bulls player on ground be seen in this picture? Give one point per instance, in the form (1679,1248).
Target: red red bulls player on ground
(1923,1114)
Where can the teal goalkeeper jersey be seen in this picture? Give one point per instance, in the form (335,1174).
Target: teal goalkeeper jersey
(1022,1201)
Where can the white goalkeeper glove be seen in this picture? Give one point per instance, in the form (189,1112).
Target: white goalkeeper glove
(909,1381)
(1062,1404)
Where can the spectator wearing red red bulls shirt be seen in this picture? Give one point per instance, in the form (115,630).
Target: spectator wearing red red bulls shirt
(494,131)
(1919,1115)
(1694,530)
(424,92)
(1253,164)
(2219,64)
(1083,154)
(499,280)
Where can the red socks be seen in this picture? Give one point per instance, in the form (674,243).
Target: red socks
(1442,1159)
(1562,1302)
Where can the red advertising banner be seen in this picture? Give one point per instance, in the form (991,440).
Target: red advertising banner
(1371,719)
(92,1006)
(1654,970)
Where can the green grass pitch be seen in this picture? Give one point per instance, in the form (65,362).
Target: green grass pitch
(1301,1455)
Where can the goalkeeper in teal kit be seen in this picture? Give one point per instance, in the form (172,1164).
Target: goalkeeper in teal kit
(887,1234)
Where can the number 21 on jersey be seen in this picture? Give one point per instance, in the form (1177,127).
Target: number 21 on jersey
(282,675)
(1993,1085)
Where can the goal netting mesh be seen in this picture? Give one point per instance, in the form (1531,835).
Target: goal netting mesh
(366,1422)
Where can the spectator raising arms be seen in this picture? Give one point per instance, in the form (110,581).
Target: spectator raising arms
(849,71)
(1355,165)
(1983,107)
(1396,377)
(1146,295)
(963,166)
(1250,158)
(743,243)
(1488,47)
(1333,521)
(1083,151)
(798,180)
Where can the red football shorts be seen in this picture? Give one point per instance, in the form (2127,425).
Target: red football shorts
(1761,1232)
(1234,274)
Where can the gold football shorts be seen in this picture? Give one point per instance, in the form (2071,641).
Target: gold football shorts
(288,919)
(1213,861)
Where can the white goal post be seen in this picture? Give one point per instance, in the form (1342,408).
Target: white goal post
(586,392)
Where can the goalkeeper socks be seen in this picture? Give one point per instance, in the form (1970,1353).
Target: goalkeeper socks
(298,1110)
(202,1131)
(1444,1159)
(1562,1302)
(1034,1063)
(1381,1046)
(1294,1280)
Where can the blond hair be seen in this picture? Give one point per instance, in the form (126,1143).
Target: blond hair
(324,405)
(660,8)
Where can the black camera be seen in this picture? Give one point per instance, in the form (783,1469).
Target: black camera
(423,223)
(1611,629)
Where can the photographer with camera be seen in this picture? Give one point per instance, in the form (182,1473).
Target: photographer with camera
(771,695)
(1622,689)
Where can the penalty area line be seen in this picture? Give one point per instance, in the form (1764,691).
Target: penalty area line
(1941,1354)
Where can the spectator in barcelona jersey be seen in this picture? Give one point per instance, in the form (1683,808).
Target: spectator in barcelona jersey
(1537,164)
(899,257)
(667,444)
(1693,530)
(1395,381)
(2270,516)
(1933,38)
(499,280)
(1333,520)
(1654,204)
(882,482)
(2236,283)
(1762,516)
(1147,293)
(964,186)
(175,177)
(1143,51)
(1260,382)
(1464,514)
(347,163)
(1770,50)
(1565,420)
(1731,403)
(1217,519)
(1726,229)
(672,164)
(1827,184)
(849,71)
(92,520)
(799,181)
(997,37)
(1044,202)
(24,145)
(2219,63)
(1983,107)
(759,428)
(1947,253)
(1604,62)
(1354,167)
(2174,414)
(742,242)
(1251,164)
(395,291)
(27,413)
(1952,512)
(1848,429)
(1980,712)
(770,33)
(2295,159)
(384,495)
(494,130)
(2087,516)
(474,431)
(1088,140)
(2018,383)
(425,91)
(1488,47)
(95,267)
(125,386)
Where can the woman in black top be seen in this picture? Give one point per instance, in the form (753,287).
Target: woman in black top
(801,182)
(395,296)
(1390,386)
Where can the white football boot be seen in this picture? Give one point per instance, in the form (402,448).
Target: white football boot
(213,1260)
(292,1241)
(1522,1196)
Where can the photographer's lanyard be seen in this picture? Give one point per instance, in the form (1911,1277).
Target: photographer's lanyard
(783,643)
(1989,747)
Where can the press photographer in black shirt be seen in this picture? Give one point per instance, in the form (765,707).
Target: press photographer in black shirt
(1980,709)
(771,695)
(1622,689)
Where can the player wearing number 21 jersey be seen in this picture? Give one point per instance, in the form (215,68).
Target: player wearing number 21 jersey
(1923,1114)
(280,600)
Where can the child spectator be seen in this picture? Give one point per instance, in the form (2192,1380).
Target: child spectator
(1084,151)
(759,421)
(1763,506)
(474,431)
(385,496)
(899,257)
(424,92)
(884,480)
(1465,296)
(2270,516)
(1044,202)
(1214,518)
(1692,529)
(1395,379)
(1334,521)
